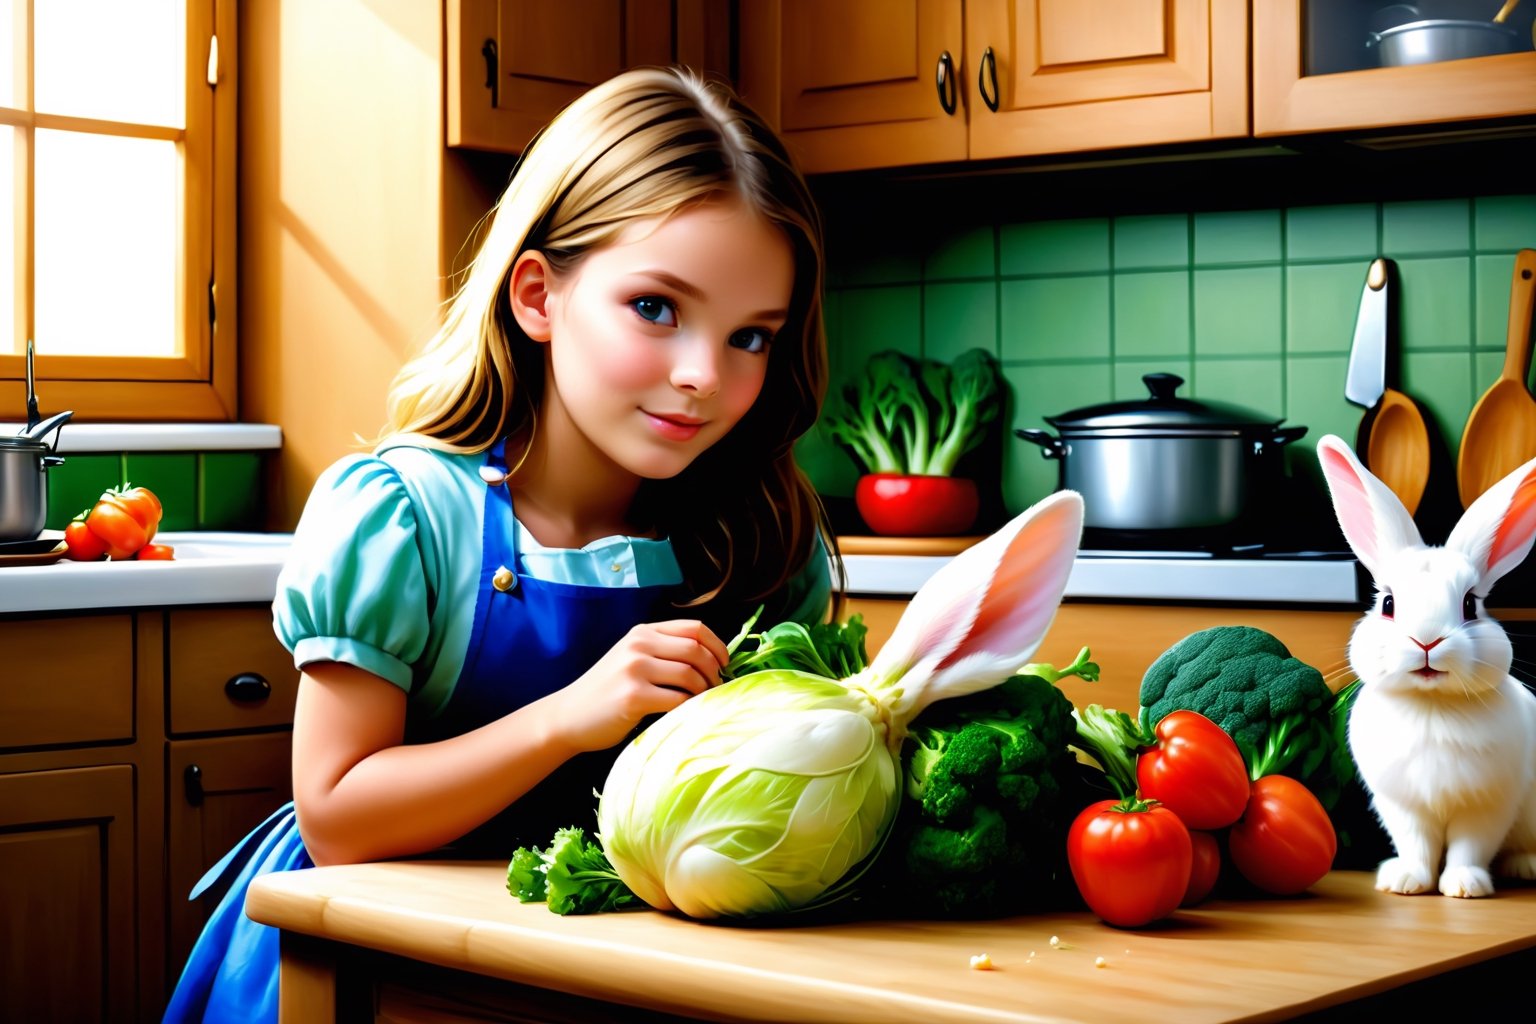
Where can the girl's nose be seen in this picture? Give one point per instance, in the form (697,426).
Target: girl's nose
(696,369)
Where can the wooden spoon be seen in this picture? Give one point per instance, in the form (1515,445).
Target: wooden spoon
(1501,432)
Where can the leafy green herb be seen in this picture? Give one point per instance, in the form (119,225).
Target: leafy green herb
(572,875)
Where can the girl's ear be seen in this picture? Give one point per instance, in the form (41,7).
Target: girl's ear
(528,289)
(1374,521)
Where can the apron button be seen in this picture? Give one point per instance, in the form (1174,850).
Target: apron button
(504,579)
(492,476)
(617,567)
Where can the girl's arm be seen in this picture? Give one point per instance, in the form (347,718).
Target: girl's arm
(363,795)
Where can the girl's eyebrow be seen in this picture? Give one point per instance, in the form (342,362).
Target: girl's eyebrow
(677,284)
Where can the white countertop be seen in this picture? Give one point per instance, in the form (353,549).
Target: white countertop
(160,437)
(235,568)
(208,568)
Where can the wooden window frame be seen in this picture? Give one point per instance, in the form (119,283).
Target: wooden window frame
(200,382)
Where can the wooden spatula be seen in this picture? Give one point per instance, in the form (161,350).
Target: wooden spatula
(1500,435)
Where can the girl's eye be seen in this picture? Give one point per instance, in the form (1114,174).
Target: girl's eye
(1469,607)
(656,310)
(752,339)
(1388,606)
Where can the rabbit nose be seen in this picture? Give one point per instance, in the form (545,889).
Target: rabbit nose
(1426,648)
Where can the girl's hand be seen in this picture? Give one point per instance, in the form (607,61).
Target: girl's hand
(653,669)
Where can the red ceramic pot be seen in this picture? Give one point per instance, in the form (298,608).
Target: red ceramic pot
(916,506)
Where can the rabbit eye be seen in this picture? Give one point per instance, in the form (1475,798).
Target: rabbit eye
(1469,607)
(1388,606)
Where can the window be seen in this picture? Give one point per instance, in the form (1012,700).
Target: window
(117,249)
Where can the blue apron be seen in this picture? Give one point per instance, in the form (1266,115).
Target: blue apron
(530,638)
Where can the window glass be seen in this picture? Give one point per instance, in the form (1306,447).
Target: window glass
(106,241)
(8,239)
(138,46)
(9,71)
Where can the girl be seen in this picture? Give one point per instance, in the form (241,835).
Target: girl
(585,481)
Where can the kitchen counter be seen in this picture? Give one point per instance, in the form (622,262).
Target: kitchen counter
(1224,961)
(208,568)
(215,568)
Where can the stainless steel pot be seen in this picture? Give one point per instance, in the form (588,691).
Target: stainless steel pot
(1433,40)
(1164,462)
(23,488)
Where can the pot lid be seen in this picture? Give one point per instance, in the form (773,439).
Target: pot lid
(1162,409)
(18,442)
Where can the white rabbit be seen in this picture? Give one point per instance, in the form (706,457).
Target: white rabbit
(1444,737)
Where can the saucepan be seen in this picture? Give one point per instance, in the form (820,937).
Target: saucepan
(1417,40)
(24,459)
(1166,462)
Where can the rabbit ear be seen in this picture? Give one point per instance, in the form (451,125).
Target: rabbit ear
(1496,532)
(979,618)
(1374,521)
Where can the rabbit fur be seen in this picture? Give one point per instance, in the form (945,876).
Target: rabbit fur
(1443,736)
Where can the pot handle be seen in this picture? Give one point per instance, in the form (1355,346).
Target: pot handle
(1285,435)
(52,460)
(1050,447)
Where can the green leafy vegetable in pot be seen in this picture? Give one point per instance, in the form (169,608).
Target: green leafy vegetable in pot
(916,416)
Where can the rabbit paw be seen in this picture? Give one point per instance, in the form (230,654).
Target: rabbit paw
(1466,881)
(1400,874)
(1517,865)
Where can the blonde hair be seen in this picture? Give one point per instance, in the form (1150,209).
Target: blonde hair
(742,517)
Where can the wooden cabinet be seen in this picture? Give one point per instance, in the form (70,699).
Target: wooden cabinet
(1287,100)
(67,883)
(513,64)
(135,748)
(934,81)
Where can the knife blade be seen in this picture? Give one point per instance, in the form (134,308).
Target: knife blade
(1366,379)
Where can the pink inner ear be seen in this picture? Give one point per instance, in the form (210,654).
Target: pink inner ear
(1025,591)
(1518,523)
(1352,503)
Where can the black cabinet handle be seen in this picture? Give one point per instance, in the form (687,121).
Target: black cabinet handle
(944,77)
(988,68)
(247,688)
(492,77)
(192,780)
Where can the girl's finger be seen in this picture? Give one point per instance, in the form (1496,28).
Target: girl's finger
(701,634)
(677,675)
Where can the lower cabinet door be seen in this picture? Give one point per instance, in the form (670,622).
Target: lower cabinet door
(67,886)
(220,789)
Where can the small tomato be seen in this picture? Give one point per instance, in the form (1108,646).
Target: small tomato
(1284,841)
(156,553)
(1205,867)
(1195,770)
(1131,861)
(83,545)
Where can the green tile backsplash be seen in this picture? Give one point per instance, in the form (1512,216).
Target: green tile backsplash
(197,490)
(1255,307)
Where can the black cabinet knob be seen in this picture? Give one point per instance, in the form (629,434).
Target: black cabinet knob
(192,779)
(247,688)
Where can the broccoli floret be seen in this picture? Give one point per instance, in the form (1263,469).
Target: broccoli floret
(983,828)
(1277,708)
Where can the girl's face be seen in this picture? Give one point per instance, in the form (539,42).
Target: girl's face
(659,342)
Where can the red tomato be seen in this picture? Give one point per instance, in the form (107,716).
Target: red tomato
(1131,865)
(1284,842)
(84,546)
(117,527)
(1205,866)
(142,504)
(1195,771)
(156,553)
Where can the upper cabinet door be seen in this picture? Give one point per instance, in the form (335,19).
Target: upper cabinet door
(1063,76)
(1328,67)
(512,65)
(858,83)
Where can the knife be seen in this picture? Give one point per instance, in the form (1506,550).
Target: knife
(1366,380)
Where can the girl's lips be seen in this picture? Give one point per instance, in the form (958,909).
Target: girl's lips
(673,429)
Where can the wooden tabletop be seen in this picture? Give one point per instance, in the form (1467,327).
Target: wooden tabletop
(1224,961)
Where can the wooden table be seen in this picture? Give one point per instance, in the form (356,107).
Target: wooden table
(424,940)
